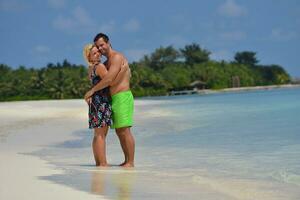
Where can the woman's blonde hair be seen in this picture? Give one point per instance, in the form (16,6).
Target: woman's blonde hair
(86,53)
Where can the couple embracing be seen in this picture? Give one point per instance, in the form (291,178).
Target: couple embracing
(110,99)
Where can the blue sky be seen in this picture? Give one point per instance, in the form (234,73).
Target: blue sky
(36,32)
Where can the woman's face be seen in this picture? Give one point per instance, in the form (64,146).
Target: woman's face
(94,55)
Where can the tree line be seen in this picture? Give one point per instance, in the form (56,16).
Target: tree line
(163,70)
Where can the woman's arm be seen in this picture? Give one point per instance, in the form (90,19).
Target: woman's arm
(101,70)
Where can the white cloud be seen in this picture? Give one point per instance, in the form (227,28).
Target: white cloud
(79,21)
(82,17)
(234,35)
(135,54)
(283,35)
(221,55)
(57,3)
(175,40)
(63,23)
(108,27)
(132,25)
(12,6)
(40,49)
(231,9)
(298,20)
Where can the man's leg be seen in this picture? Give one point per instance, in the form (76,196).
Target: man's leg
(122,143)
(127,140)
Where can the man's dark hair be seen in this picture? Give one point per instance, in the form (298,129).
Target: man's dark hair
(101,35)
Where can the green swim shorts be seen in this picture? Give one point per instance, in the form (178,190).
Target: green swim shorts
(122,109)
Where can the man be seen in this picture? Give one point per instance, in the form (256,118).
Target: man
(122,98)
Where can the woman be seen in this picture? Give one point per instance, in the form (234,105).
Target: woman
(99,105)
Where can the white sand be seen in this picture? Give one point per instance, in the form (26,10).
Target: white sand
(26,127)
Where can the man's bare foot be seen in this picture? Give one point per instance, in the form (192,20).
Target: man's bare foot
(128,165)
(122,164)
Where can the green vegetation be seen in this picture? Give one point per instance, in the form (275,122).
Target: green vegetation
(163,70)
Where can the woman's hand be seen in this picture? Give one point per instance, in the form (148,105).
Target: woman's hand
(88,100)
(88,95)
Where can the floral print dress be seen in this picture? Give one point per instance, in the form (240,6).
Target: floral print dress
(100,112)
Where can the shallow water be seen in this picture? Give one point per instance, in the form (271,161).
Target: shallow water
(221,146)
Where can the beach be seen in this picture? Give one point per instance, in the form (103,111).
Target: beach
(27,127)
(187,147)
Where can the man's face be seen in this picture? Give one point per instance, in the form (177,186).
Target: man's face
(102,46)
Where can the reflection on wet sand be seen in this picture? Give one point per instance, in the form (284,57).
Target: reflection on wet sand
(118,184)
(98,183)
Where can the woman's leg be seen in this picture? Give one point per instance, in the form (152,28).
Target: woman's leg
(99,145)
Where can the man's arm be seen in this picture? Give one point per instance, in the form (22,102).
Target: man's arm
(113,71)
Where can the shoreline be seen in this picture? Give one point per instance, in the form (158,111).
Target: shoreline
(185,92)
(237,89)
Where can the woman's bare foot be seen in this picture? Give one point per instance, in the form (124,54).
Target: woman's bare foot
(122,164)
(128,165)
(102,165)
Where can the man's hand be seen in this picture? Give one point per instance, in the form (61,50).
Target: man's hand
(124,67)
(88,95)
(121,74)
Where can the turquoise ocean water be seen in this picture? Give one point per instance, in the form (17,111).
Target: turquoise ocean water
(242,145)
